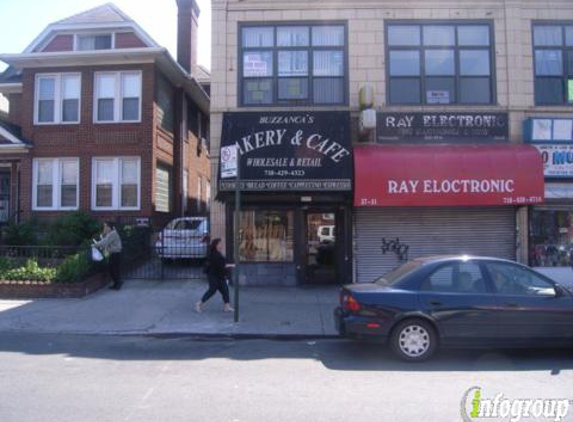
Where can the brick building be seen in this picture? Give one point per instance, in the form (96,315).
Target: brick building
(438,103)
(103,119)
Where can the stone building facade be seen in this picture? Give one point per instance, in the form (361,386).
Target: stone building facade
(510,59)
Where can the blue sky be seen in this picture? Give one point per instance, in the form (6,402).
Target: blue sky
(23,20)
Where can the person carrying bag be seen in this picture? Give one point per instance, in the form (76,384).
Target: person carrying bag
(111,244)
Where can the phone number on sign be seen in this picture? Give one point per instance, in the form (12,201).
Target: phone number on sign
(523,200)
(281,173)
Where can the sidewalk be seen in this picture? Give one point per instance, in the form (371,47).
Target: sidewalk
(166,308)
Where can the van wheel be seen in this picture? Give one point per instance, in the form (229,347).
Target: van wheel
(414,340)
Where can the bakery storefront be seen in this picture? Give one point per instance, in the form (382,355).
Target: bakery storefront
(295,181)
(551,224)
(449,187)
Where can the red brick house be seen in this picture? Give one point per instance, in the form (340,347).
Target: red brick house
(103,119)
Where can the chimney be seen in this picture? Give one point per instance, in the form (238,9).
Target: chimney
(187,31)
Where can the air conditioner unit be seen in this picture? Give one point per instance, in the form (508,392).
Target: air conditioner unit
(367,121)
(366,97)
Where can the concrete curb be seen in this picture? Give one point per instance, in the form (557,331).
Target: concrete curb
(274,337)
(183,335)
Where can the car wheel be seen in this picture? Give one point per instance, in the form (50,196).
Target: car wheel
(414,340)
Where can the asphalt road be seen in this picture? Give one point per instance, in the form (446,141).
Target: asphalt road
(47,378)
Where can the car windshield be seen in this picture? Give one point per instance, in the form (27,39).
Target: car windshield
(398,274)
(184,225)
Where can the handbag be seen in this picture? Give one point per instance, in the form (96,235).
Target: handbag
(97,256)
(206,267)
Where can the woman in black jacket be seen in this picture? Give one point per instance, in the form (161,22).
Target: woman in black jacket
(217,275)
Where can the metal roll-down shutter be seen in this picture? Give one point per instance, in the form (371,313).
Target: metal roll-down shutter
(489,231)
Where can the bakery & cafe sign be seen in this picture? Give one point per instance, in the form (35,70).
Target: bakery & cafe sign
(289,151)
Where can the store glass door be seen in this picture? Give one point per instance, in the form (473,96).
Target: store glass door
(321,248)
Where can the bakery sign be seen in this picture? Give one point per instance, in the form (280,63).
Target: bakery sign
(289,151)
(440,127)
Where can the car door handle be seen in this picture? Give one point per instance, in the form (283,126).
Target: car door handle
(435,303)
(511,305)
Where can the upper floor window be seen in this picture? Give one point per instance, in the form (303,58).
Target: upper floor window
(94,42)
(553,56)
(57,98)
(117,97)
(435,63)
(55,184)
(293,65)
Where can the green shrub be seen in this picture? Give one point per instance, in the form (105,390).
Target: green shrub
(21,233)
(73,269)
(72,229)
(6,264)
(30,272)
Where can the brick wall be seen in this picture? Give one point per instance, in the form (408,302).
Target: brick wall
(128,40)
(196,162)
(60,43)
(86,139)
(15,112)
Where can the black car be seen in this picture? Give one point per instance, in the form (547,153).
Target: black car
(457,301)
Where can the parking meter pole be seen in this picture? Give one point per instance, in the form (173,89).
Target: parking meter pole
(236,238)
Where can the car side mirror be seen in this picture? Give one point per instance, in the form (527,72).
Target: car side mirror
(559,291)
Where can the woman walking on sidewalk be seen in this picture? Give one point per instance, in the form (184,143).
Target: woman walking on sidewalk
(111,243)
(217,275)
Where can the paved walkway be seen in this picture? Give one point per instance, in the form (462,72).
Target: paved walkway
(166,308)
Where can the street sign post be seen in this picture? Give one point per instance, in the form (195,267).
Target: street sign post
(237,233)
(229,162)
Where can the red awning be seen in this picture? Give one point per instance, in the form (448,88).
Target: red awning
(447,175)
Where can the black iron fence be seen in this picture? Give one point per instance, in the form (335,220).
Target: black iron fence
(44,255)
(149,254)
(63,264)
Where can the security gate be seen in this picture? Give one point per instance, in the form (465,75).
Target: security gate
(384,238)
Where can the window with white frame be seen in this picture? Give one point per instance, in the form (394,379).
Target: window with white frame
(117,97)
(55,184)
(57,98)
(116,183)
(94,42)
